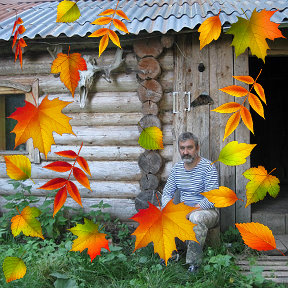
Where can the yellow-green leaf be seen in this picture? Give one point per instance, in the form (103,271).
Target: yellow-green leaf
(235,153)
(67,11)
(151,138)
(18,167)
(13,268)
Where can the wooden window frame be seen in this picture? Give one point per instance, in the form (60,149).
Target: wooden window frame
(26,87)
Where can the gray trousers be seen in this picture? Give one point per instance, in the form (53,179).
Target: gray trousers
(204,219)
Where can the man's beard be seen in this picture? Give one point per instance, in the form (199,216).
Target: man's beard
(188,158)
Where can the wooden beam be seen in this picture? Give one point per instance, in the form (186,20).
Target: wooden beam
(15,85)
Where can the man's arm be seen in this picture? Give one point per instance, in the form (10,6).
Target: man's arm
(169,189)
(211,182)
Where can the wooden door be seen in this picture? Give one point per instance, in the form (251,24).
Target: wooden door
(203,73)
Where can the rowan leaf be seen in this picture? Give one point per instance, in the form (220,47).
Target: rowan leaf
(15,38)
(81,177)
(252,33)
(21,29)
(18,167)
(260,91)
(39,123)
(162,226)
(17,22)
(26,223)
(18,48)
(210,29)
(122,14)
(55,183)
(257,236)
(74,192)
(234,153)
(120,25)
(68,66)
(67,11)
(228,107)
(59,166)
(245,79)
(256,104)
(22,43)
(222,197)
(20,54)
(89,237)
(100,32)
(260,183)
(232,124)
(60,199)
(13,268)
(151,138)
(115,39)
(107,12)
(83,163)
(103,44)
(67,153)
(235,90)
(247,119)
(102,21)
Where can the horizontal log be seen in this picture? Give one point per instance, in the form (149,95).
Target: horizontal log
(98,153)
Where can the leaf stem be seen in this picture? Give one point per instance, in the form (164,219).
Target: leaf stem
(18,210)
(140,126)
(280,252)
(241,199)
(32,180)
(244,13)
(75,161)
(158,199)
(113,14)
(271,171)
(34,99)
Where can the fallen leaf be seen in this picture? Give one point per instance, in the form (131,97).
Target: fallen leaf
(13,268)
(68,66)
(257,236)
(67,11)
(222,197)
(26,223)
(89,237)
(235,153)
(39,123)
(18,167)
(252,33)
(162,226)
(260,183)
(151,138)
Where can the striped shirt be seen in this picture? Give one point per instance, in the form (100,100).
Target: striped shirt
(202,178)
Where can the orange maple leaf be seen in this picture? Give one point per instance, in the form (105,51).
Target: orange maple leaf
(257,236)
(68,66)
(89,237)
(162,226)
(39,123)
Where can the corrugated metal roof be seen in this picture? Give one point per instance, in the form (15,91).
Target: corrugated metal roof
(149,15)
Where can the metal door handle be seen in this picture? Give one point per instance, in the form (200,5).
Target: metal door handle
(189,101)
(174,102)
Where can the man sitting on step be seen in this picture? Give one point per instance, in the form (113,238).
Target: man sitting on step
(192,176)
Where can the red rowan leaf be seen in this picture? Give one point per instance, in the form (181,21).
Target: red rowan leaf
(81,177)
(120,25)
(54,184)
(102,21)
(22,43)
(122,14)
(21,29)
(67,153)
(115,39)
(59,166)
(107,12)
(74,192)
(60,199)
(83,163)
(17,22)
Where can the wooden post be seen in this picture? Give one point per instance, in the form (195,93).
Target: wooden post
(2,123)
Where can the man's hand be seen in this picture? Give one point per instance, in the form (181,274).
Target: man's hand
(196,206)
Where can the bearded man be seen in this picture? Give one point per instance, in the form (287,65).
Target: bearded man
(192,176)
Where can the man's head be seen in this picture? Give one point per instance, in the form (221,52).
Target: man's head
(188,145)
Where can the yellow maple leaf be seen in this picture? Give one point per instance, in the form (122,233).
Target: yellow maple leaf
(252,33)
(260,184)
(235,153)
(40,122)
(89,237)
(151,138)
(27,223)
(68,66)
(67,11)
(18,167)
(13,268)
(162,226)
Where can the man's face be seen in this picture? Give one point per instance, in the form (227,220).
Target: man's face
(188,151)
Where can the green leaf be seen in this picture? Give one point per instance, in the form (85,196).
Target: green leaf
(151,138)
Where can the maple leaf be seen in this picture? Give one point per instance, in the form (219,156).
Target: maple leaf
(162,226)
(68,66)
(222,197)
(27,223)
(67,11)
(257,236)
(234,153)
(151,138)
(260,183)
(13,268)
(18,167)
(89,237)
(210,29)
(252,33)
(39,123)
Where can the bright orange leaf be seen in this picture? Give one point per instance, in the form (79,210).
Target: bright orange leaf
(260,183)
(53,184)
(18,167)
(60,199)
(17,22)
(122,14)
(89,237)
(115,39)
(260,91)
(222,197)
(103,44)
(162,226)
(68,66)
(26,223)
(235,90)
(102,21)
(74,192)
(245,79)
(39,123)
(13,268)
(67,153)
(81,177)
(257,236)
(107,12)
(228,107)
(100,32)
(120,25)
(247,119)
(252,33)
(83,163)
(59,166)
(256,104)
(210,29)
(232,124)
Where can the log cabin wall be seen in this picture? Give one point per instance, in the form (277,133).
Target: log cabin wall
(107,125)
